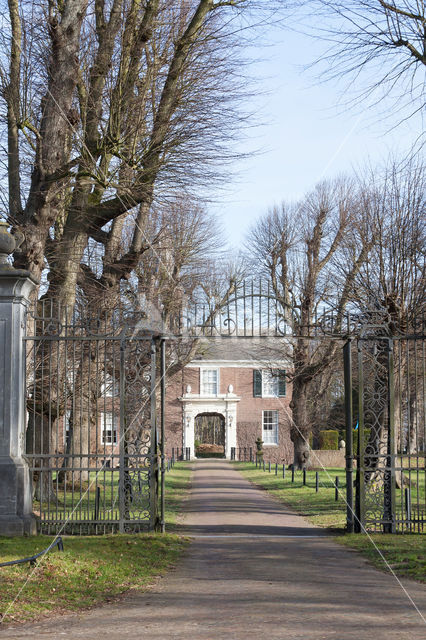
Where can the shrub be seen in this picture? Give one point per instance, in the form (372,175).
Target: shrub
(210,455)
(329,439)
(259,448)
(210,451)
(314,441)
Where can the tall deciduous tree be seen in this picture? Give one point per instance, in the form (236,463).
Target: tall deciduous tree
(394,280)
(299,247)
(394,275)
(109,103)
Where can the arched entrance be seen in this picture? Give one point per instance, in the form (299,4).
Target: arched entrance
(210,430)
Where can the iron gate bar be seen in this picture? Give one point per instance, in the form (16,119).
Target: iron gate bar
(153,468)
(162,436)
(389,488)
(390,390)
(122,444)
(360,469)
(347,370)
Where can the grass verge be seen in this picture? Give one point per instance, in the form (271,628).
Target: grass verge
(178,482)
(320,508)
(404,553)
(92,569)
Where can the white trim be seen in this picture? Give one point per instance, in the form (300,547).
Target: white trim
(193,404)
(271,378)
(241,364)
(195,397)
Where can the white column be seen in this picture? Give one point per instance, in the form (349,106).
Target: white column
(188,429)
(230,427)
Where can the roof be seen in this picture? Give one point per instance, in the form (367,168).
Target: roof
(248,351)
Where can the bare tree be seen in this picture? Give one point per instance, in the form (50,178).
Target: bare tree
(109,105)
(393,279)
(183,240)
(300,247)
(384,42)
(395,272)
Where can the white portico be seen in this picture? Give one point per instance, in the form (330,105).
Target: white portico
(195,404)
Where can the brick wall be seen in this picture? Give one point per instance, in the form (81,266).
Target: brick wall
(249,423)
(327,458)
(249,411)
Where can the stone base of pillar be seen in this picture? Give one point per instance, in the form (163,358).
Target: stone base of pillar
(16,517)
(18,526)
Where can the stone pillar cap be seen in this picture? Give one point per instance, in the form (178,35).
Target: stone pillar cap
(8,244)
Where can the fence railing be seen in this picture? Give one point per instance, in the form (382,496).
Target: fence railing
(409,518)
(181,453)
(58,542)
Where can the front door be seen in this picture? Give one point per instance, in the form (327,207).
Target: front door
(210,433)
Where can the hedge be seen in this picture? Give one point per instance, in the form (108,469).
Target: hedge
(209,451)
(329,439)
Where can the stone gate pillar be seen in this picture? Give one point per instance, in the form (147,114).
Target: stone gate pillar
(16,285)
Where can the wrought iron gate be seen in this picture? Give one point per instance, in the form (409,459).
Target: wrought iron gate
(92,441)
(388,374)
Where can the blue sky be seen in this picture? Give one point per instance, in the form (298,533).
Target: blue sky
(307,134)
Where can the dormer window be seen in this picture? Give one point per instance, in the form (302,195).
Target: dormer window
(209,382)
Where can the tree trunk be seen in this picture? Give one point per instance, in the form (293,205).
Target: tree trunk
(300,426)
(84,413)
(38,442)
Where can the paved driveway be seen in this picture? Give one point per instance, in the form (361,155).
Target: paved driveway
(253,570)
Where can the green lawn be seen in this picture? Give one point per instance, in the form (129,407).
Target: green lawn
(94,504)
(92,569)
(177,490)
(406,554)
(320,508)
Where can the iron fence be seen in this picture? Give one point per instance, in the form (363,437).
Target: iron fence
(242,454)
(251,309)
(92,439)
(387,372)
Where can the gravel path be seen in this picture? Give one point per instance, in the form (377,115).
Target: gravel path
(253,569)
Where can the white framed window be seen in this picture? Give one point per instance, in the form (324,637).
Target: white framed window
(209,382)
(111,387)
(66,419)
(269,384)
(108,428)
(270,427)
